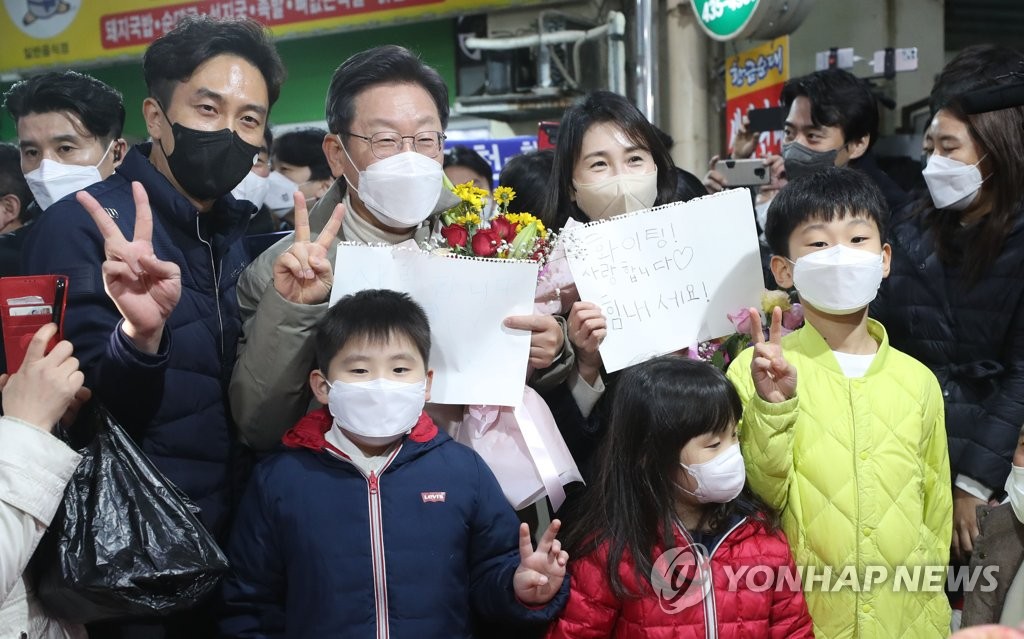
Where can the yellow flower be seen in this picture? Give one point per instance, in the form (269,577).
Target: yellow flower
(771,299)
(468,218)
(503,195)
(471,195)
(522,220)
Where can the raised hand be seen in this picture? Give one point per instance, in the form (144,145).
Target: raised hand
(777,167)
(774,377)
(713,180)
(540,571)
(45,385)
(587,329)
(303,274)
(546,337)
(744,141)
(144,289)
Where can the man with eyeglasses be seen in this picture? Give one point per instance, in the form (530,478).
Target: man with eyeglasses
(386,111)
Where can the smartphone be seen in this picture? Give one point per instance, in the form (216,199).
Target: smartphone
(26,304)
(771,119)
(752,172)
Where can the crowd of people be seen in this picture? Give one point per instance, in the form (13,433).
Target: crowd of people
(885,434)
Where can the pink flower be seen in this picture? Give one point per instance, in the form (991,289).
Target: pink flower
(793,318)
(741,320)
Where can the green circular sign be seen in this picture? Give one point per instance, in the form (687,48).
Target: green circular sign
(724,19)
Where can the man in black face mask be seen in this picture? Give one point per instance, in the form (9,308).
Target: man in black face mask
(151,309)
(833,121)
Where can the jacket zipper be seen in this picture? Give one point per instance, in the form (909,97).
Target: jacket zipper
(856,484)
(380,583)
(708,603)
(710,607)
(216,287)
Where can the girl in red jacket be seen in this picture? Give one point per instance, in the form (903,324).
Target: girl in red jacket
(668,543)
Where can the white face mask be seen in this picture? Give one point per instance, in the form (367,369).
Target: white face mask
(280,194)
(1015,490)
(379,411)
(52,181)
(252,188)
(616,195)
(838,280)
(719,480)
(951,183)
(400,191)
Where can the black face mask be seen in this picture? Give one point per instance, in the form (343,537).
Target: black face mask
(801,161)
(208,164)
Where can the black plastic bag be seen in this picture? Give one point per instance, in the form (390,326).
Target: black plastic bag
(126,542)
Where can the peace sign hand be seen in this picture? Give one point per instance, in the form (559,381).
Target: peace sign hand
(143,288)
(541,572)
(774,377)
(303,274)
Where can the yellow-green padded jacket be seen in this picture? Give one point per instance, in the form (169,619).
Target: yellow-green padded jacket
(860,472)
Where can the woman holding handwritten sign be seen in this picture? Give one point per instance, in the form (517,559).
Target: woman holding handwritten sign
(610,160)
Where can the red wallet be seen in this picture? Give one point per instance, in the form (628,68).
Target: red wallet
(26,304)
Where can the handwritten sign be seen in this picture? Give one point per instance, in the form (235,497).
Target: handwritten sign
(476,359)
(667,277)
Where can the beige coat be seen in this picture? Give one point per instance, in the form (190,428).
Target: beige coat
(34,469)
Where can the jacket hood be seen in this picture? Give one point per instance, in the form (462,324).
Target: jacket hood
(310,432)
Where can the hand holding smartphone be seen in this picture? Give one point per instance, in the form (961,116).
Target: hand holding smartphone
(27,304)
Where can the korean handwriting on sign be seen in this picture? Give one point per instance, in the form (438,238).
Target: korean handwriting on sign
(639,255)
(628,309)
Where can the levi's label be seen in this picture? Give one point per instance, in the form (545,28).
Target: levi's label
(434,497)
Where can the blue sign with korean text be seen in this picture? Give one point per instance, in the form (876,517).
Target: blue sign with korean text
(497,152)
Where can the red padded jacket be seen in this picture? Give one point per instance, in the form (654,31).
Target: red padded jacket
(755,585)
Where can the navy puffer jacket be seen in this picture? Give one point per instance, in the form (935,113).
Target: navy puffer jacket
(970,335)
(412,550)
(174,402)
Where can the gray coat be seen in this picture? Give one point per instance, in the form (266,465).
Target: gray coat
(1000,544)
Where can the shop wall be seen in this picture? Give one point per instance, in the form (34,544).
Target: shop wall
(870,26)
(310,62)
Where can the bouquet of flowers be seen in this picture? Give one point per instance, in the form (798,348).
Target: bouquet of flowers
(508,236)
(521,444)
(720,352)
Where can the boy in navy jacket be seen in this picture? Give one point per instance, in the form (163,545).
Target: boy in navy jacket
(372,522)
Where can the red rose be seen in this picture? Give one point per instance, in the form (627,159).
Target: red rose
(485,242)
(455,234)
(505,229)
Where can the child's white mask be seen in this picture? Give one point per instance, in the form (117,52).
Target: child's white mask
(838,280)
(719,480)
(379,411)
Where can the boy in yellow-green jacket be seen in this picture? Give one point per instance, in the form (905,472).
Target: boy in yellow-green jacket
(843,433)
